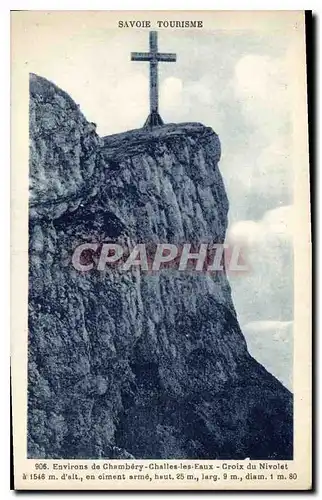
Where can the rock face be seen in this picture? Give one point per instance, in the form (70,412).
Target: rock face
(134,364)
(63,150)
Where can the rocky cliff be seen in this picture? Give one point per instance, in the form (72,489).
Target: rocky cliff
(133,364)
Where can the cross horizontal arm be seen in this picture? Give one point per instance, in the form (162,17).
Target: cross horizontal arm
(166,57)
(140,56)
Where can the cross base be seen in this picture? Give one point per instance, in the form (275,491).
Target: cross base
(153,120)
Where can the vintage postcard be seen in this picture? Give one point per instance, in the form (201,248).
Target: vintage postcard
(161,251)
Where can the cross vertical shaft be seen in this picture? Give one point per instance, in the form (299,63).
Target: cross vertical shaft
(153,57)
(154,84)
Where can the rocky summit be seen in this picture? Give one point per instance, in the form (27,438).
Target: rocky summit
(136,365)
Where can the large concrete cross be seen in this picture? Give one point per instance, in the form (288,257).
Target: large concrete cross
(153,57)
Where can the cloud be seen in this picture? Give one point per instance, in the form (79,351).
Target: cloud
(277,223)
(257,180)
(257,164)
(271,343)
(266,291)
(200,92)
(171,93)
(182,101)
(259,75)
(280,221)
(260,82)
(136,110)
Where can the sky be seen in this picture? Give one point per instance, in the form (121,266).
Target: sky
(236,82)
